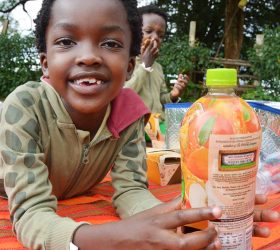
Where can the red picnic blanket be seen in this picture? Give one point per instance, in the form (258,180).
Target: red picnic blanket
(97,208)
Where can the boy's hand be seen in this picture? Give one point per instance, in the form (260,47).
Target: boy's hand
(149,51)
(154,228)
(263,216)
(179,87)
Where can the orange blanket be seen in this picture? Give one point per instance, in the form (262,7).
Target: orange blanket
(96,208)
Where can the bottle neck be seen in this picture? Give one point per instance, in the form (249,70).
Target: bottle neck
(222,91)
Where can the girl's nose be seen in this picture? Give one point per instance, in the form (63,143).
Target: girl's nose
(156,37)
(88,54)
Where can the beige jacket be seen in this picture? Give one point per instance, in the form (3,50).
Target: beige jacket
(150,86)
(44,158)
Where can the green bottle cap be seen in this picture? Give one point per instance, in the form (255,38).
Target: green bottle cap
(221,77)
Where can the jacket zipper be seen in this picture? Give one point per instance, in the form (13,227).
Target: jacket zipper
(84,160)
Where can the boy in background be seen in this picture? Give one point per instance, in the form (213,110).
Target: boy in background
(148,79)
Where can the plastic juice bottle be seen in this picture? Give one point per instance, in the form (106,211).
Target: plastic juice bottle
(220,139)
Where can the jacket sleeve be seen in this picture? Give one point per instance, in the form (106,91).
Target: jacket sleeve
(129,176)
(31,204)
(139,79)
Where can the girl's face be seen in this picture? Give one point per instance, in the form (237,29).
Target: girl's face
(87,59)
(154,27)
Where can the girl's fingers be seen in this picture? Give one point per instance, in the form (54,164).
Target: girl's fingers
(150,48)
(179,218)
(154,47)
(266,216)
(182,81)
(147,44)
(260,199)
(186,77)
(183,77)
(214,245)
(263,216)
(155,44)
(167,207)
(155,52)
(163,208)
(180,85)
(259,231)
(206,239)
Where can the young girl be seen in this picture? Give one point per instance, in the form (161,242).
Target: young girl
(61,136)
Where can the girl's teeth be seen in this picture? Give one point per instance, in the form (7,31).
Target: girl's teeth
(88,81)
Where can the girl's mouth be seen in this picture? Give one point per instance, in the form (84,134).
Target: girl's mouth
(88,85)
(87,82)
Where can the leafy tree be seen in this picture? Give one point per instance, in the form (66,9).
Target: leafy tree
(265,62)
(18,62)
(233,31)
(220,23)
(210,16)
(7,6)
(208,19)
(178,57)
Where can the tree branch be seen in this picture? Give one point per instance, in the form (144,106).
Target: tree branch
(13,6)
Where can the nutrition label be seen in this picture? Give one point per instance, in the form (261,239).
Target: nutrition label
(236,240)
(231,185)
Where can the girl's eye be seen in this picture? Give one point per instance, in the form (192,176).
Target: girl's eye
(112,44)
(148,31)
(64,42)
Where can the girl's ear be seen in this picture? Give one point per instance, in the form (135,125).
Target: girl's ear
(44,64)
(130,67)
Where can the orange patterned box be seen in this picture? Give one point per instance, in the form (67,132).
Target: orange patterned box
(163,166)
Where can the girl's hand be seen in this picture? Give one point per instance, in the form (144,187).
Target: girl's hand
(179,87)
(154,228)
(266,215)
(149,51)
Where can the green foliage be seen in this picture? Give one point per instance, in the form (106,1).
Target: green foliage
(193,92)
(18,62)
(176,56)
(265,62)
(210,17)
(260,94)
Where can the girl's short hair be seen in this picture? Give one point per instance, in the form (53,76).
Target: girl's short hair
(133,17)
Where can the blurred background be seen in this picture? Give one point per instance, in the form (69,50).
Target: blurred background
(201,34)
